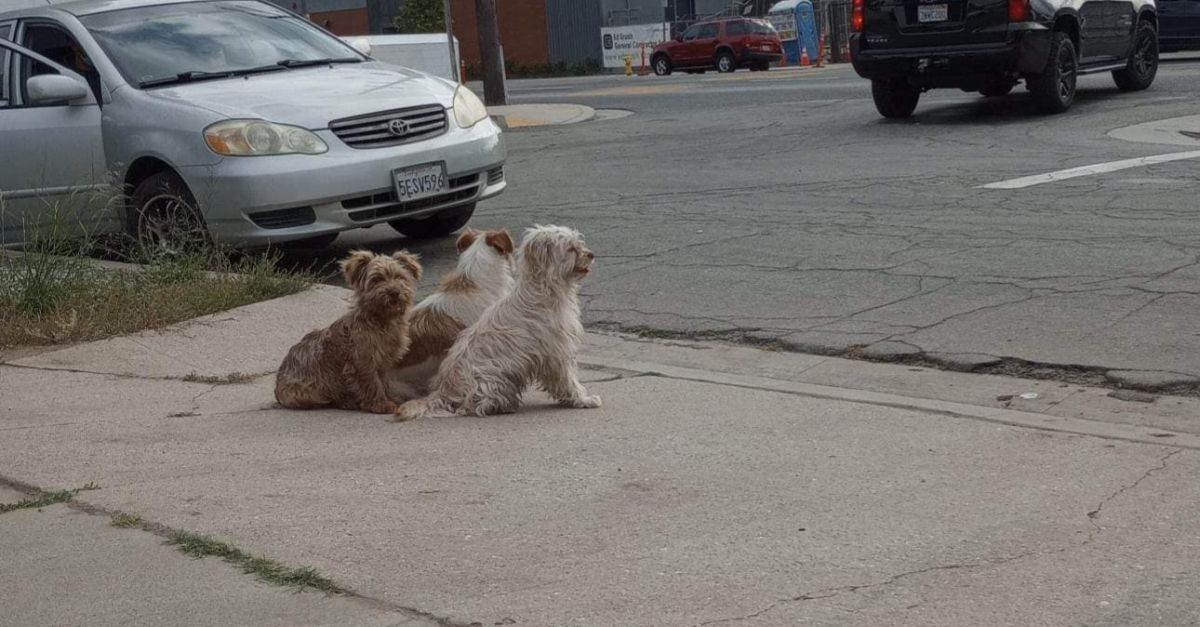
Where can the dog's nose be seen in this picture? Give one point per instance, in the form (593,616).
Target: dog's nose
(589,254)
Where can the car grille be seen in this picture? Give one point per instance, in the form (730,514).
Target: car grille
(384,205)
(284,218)
(391,128)
(495,175)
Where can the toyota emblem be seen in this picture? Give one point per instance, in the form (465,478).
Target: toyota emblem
(398,127)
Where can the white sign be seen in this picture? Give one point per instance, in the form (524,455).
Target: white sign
(785,23)
(617,42)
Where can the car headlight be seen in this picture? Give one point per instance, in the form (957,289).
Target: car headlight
(252,138)
(468,108)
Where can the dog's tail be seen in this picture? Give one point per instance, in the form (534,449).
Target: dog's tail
(432,406)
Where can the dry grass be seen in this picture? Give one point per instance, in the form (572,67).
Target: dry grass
(53,299)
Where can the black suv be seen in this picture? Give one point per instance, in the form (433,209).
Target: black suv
(909,46)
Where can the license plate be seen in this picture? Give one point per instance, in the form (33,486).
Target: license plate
(933,13)
(420,182)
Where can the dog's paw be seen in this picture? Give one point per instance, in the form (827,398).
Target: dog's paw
(587,402)
(400,416)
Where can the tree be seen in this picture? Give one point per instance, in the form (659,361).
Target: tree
(421,16)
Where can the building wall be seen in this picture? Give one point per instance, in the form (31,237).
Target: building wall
(624,12)
(343,23)
(573,30)
(522,30)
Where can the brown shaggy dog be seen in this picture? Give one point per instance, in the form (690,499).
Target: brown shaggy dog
(343,366)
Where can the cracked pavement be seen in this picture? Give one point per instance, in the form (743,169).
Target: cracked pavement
(782,209)
(719,484)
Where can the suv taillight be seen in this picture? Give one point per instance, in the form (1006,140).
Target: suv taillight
(858,18)
(1018,10)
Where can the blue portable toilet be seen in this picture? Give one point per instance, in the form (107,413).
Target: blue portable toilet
(796,22)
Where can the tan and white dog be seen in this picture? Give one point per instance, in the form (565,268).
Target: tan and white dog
(483,276)
(531,335)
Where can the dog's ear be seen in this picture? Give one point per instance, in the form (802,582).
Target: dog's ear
(410,262)
(501,241)
(466,239)
(354,266)
(536,255)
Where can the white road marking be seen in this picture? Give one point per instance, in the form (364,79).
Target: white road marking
(1089,170)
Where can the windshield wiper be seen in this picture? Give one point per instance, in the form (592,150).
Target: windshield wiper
(291,63)
(194,75)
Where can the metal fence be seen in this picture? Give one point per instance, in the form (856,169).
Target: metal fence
(835,24)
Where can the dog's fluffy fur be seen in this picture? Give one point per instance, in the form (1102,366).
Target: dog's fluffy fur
(532,335)
(483,276)
(343,365)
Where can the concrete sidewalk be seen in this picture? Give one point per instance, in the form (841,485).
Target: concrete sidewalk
(718,484)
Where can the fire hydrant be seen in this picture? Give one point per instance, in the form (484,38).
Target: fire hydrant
(628,65)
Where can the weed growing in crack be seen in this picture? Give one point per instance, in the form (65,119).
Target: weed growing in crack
(39,500)
(267,570)
(232,378)
(121,520)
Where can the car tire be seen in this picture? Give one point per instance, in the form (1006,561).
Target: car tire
(725,62)
(997,90)
(439,224)
(1053,89)
(1143,63)
(662,65)
(894,98)
(164,218)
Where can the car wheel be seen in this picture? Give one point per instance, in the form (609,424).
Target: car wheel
(725,62)
(1143,63)
(996,90)
(662,65)
(164,217)
(894,98)
(1054,89)
(437,225)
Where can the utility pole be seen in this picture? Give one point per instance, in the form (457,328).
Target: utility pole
(494,92)
(449,19)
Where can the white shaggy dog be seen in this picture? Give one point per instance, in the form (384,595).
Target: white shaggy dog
(532,335)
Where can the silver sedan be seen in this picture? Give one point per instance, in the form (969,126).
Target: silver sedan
(232,117)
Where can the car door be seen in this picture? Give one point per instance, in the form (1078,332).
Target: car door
(1095,31)
(52,166)
(686,54)
(1122,16)
(705,44)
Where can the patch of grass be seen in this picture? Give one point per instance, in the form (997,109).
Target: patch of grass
(232,378)
(121,520)
(267,570)
(39,500)
(54,299)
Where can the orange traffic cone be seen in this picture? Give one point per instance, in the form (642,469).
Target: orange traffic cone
(804,61)
(783,59)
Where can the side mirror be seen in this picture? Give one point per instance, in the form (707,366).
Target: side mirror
(361,45)
(48,89)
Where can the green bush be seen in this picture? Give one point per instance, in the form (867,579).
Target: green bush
(421,16)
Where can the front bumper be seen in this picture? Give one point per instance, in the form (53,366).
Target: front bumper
(255,201)
(1024,52)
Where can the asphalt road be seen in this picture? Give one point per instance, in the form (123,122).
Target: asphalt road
(780,207)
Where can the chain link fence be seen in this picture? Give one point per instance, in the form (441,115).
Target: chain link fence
(835,24)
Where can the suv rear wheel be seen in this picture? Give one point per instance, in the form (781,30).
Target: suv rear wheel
(1054,89)
(894,98)
(1143,63)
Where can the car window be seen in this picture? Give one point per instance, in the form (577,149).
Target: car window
(708,31)
(735,29)
(5,33)
(691,33)
(152,43)
(56,44)
(761,28)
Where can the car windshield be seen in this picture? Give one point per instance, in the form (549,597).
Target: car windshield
(173,43)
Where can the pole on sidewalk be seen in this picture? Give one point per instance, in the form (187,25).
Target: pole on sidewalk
(489,48)
(455,69)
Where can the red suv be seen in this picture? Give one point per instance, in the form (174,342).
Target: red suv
(722,44)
